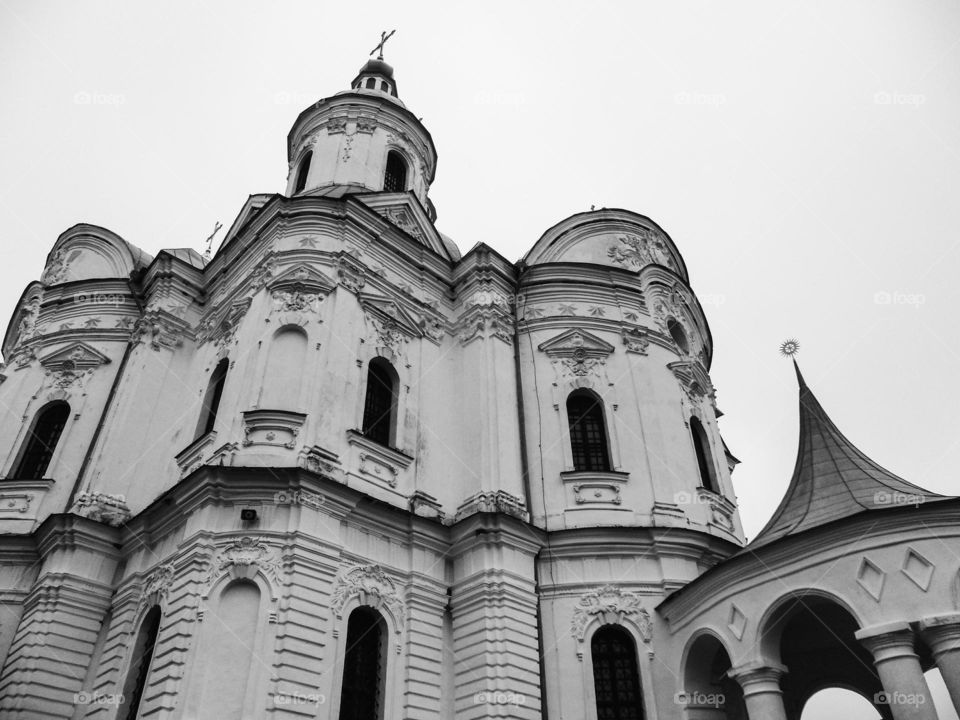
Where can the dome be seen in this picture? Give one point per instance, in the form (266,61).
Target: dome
(377,67)
(376,75)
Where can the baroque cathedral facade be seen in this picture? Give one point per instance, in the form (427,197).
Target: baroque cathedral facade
(340,470)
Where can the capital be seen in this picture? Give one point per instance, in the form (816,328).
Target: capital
(890,641)
(942,633)
(758,677)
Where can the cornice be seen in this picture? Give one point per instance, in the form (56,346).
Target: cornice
(73,531)
(824,544)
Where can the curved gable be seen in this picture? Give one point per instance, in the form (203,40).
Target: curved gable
(619,238)
(89,252)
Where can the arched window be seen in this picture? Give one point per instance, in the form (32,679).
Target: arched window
(302,169)
(228,650)
(701,446)
(395,178)
(364,666)
(142,655)
(380,402)
(588,435)
(211,399)
(42,441)
(616,677)
(371,83)
(284,369)
(679,336)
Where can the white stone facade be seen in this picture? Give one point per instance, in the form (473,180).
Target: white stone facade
(490,557)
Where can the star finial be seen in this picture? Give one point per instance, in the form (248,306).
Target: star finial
(789,347)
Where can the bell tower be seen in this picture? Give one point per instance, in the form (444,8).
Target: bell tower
(362,140)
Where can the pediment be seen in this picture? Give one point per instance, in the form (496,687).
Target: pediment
(694,379)
(403,211)
(249,209)
(576,342)
(76,356)
(390,313)
(302,278)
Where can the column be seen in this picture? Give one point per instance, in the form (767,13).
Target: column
(761,689)
(904,687)
(942,634)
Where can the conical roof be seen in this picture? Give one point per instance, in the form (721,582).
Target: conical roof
(832,479)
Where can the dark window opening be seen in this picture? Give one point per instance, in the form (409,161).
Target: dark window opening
(588,436)
(363,667)
(380,402)
(395,178)
(702,447)
(142,654)
(302,169)
(211,400)
(616,677)
(42,441)
(371,84)
(678,335)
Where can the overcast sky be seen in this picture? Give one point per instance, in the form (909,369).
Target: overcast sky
(805,158)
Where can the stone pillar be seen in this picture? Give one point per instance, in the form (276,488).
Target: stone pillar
(46,671)
(904,687)
(494,620)
(761,689)
(942,634)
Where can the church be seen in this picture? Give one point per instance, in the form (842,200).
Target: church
(340,470)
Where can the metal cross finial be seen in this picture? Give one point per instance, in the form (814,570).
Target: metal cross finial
(383,39)
(216,229)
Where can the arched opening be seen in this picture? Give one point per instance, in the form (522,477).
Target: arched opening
(302,170)
(814,637)
(228,649)
(679,336)
(364,666)
(838,702)
(708,692)
(371,83)
(701,446)
(211,399)
(588,434)
(285,367)
(395,177)
(139,669)
(41,441)
(616,676)
(380,402)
